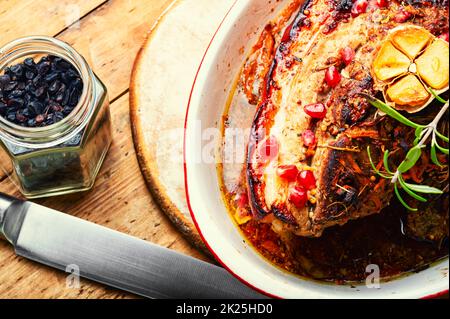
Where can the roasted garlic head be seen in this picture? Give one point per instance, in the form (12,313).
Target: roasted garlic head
(408,62)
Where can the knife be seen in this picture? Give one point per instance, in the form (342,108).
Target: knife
(110,257)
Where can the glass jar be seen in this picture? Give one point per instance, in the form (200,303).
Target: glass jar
(66,156)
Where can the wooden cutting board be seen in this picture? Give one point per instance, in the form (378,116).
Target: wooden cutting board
(161,82)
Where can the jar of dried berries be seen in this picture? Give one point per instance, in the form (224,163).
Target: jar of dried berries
(55,125)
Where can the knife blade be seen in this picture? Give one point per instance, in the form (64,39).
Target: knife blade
(59,240)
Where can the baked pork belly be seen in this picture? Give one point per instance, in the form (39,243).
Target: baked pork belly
(313,126)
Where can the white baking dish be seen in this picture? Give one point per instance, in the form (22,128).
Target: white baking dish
(217,72)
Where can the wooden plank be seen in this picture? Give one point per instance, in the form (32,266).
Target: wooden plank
(44,17)
(111,36)
(119,200)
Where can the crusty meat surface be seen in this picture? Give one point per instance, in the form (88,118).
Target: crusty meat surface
(345,186)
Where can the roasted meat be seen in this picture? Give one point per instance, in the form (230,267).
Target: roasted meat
(312,121)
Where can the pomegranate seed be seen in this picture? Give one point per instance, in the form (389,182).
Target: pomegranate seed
(347,55)
(288,172)
(287,34)
(309,139)
(242,200)
(317,110)
(402,16)
(444,36)
(332,76)
(360,6)
(268,149)
(298,196)
(382,3)
(307,180)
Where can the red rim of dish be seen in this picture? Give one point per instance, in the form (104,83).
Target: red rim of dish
(431,296)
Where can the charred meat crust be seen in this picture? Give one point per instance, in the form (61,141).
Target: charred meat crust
(260,65)
(420,3)
(289,35)
(255,185)
(344,181)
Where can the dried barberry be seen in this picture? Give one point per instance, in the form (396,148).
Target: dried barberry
(39,93)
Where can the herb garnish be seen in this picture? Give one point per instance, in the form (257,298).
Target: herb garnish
(422,134)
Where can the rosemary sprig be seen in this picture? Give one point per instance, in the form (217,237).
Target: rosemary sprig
(422,134)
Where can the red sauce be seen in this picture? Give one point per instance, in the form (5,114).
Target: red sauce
(342,253)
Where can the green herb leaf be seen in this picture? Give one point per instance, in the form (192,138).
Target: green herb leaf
(441,136)
(442,149)
(433,154)
(373,165)
(409,191)
(414,153)
(401,199)
(411,159)
(424,189)
(437,97)
(418,134)
(386,162)
(383,107)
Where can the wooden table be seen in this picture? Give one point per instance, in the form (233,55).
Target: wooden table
(108,34)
